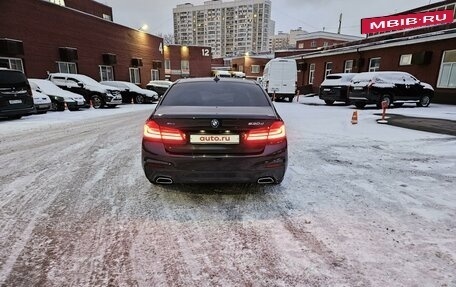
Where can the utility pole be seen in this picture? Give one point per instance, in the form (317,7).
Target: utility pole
(340,23)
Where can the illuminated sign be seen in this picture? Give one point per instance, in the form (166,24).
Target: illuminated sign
(408,21)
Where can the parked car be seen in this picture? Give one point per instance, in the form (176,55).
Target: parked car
(58,96)
(159,86)
(93,92)
(215,130)
(221,74)
(235,74)
(335,88)
(15,94)
(131,91)
(395,88)
(41,101)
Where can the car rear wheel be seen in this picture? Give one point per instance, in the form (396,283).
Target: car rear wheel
(56,106)
(360,105)
(329,102)
(97,102)
(424,101)
(139,99)
(385,98)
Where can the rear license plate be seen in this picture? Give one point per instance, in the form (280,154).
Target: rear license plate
(326,90)
(15,102)
(80,103)
(214,139)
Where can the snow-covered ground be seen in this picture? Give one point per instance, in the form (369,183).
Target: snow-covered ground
(360,205)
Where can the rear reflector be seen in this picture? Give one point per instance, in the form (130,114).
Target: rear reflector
(154,132)
(273,134)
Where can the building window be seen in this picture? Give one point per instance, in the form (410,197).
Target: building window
(58,2)
(67,67)
(311,73)
(325,44)
(255,69)
(313,44)
(405,60)
(348,67)
(185,67)
(154,74)
(107,17)
(300,46)
(167,64)
(135,76)
(106,73)
(447,74)
(12,63)
(328,68)
(374,64)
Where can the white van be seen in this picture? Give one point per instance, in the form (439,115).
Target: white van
(280,77)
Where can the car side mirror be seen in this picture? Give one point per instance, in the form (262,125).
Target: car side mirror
(81,85)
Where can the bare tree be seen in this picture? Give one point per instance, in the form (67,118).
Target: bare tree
(168,39)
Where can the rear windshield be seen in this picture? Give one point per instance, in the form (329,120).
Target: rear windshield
(229,94)
(12,79)
(333,77)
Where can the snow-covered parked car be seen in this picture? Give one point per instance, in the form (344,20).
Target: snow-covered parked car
(131,91)
(335,88)
(159,86)
(393,87)
(93,92)
(58,96)
(41,102)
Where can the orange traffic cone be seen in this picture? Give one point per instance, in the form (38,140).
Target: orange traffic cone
(90,104)
(65,106)
(354,120)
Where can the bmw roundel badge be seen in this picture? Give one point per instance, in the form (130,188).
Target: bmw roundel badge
(215,123)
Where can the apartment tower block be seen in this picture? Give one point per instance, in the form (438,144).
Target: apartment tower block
(229,28)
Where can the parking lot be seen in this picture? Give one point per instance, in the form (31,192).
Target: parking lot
(360,205)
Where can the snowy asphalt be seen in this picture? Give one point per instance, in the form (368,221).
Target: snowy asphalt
(361,205)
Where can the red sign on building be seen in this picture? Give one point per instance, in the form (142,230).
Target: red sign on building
(408,21)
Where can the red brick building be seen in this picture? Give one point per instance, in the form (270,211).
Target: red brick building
(80,37)
(187,61)
(322,39)
(429,53)
(252,66)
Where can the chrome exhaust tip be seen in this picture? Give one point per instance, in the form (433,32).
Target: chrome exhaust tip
(163,180)
(265,180)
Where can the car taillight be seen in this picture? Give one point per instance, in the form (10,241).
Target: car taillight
(154,132)
(272,135)
(29,91)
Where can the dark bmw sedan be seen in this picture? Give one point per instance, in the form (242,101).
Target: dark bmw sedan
(212,130)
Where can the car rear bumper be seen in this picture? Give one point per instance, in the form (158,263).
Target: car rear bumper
(333,97)
(272,163)
(17,112)
(339,95)
(43,107)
